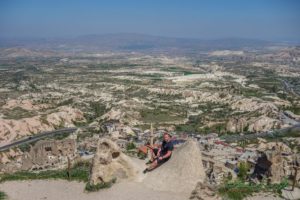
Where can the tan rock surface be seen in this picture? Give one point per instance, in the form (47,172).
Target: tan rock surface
(25,104)
(11,129)
(263,123)
(181,173)
(110,163)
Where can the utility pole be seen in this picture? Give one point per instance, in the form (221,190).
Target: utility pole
(296,166)
(295,176)
(151,135)
(242,128)
(69,168)
(149,150)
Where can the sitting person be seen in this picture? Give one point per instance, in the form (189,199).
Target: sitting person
(161,155)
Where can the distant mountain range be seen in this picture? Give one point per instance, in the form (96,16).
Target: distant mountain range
(134,42)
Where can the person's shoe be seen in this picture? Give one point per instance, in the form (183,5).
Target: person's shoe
(146,170)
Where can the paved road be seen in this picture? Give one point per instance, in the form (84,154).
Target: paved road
(271,134)
(295,125)
(287,120)
(38,137)
(229,138)
(290,88)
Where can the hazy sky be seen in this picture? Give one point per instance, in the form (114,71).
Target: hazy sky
(264,19)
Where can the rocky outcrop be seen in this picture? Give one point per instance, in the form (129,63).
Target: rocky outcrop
(250,105)
(11,129)
(122,114)
(254,124)
(263,123)
(204,192)
(24,104)
(5,157)
(279,167)
(236,125)
(113,114)
(110,163)
(265,146)
(181,173)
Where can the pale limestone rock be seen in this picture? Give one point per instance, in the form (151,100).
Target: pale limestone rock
(11,129)
(181,173)
(110,163)
(263,123)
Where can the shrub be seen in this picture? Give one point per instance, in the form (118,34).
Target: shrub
(2,195)
(238,190)
(24,147)
(79,172)
(243,171)
(141,155)
(130,146)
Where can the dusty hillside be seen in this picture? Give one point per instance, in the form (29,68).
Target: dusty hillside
(11,129)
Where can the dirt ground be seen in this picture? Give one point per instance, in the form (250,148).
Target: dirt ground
(64,190)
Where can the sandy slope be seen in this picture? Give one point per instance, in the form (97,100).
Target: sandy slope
(64,190)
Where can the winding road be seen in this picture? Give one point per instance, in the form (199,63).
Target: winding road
(40,136)
(271,134)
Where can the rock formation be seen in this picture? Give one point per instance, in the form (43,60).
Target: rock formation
(49,153)
(265,146)
(204,192)
(11,129)
(110,163)
(263,123)
(254,124)
(181,173)
(236,125)
(113,115)
(279,167)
